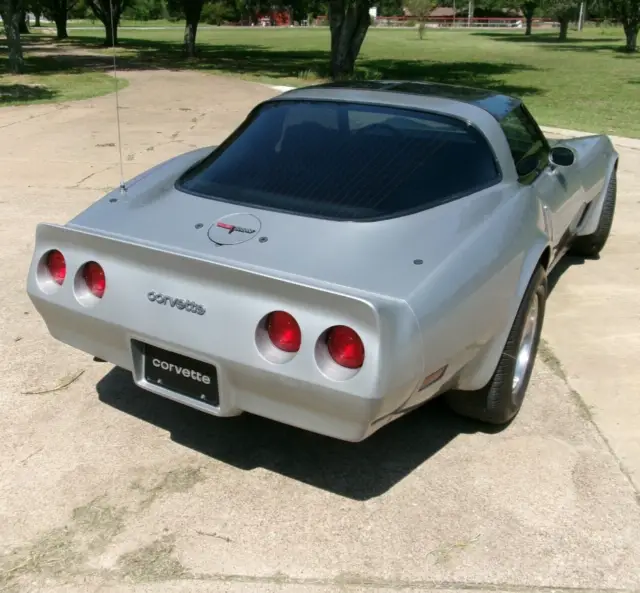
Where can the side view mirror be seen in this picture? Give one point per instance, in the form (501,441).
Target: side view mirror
(561,156)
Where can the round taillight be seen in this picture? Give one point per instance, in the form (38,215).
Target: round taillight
(93,275)
(284,331)
(57,266)
(345,347)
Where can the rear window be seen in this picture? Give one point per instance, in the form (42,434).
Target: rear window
(345,161)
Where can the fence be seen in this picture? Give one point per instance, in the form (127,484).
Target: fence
(451,22)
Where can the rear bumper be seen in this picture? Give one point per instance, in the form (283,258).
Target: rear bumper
(242,388)
(227,330)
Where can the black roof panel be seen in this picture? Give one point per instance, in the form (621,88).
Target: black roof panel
(497,104)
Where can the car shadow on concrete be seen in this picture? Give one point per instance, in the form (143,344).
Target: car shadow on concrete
(566,262)
(359,471)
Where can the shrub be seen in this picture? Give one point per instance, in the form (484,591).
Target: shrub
(216,13)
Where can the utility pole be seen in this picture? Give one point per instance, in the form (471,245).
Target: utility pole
(581,17)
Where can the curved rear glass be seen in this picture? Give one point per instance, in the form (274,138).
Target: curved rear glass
(345,161)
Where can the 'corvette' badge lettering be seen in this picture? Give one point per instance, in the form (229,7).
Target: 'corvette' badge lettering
(163,299)
(184,371)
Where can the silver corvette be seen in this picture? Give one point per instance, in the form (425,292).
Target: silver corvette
(351,251)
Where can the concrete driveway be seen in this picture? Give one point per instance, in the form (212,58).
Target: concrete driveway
(107,488)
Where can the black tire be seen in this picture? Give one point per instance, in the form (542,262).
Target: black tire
(591,245)
(498,402)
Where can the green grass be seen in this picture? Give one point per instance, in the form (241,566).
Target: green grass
(54,87)
(586,83)
(123,23)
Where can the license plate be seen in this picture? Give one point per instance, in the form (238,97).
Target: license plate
(181,374)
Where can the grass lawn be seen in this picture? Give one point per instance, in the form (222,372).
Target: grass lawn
(586,83)
(54,87)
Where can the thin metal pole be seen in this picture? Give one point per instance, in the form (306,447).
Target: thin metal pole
(115,78)
(581,17)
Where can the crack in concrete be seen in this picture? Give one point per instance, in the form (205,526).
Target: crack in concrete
(196,120)
(26,119)
(77,185)
(351,580)
(546,354)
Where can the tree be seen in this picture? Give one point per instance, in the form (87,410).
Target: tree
(390,8)
(421,9)
(109,13)
(191,9)
(58,11)
(36,8)
(24,21)
(626,12)
(528,8)
(11,13)
(564,11)
(146,10)
(349,22)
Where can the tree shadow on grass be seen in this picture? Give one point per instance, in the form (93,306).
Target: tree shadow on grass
(619,49)
(359,471)
(307,66)
(23,93)
(486,75)
(550,38)
(550,41)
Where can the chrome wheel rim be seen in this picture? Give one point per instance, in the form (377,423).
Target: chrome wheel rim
(525,347)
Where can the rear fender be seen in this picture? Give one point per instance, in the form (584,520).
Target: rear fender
(590,222)
(480,370)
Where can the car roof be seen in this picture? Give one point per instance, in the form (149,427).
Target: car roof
(498,105)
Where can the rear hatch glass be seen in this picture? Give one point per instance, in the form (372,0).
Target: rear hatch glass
(345,161)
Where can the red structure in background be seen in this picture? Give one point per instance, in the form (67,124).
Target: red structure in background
(277,18)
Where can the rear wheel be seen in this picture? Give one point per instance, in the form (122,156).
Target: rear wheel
(591,245)
(501,399)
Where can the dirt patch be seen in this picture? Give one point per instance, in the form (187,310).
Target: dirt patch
(63,550)
(548,357)
(154,562)
(175,481)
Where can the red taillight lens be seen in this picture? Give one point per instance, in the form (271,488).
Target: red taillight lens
(57,266)
(345,347)
(284,331)
(93,275)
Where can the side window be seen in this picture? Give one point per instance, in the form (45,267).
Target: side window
(528,147)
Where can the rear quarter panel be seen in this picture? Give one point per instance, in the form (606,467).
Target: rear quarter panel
(465,307)
(596,160)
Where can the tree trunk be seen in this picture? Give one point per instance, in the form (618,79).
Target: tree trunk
(349,21)
(61,26)
(24,23)
(528,11)
(190,30)
(37,15)
(110,33)
(564,28)
(421,29)
(192,12)
(631,33)
(11,20)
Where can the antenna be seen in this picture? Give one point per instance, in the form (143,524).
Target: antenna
(123,189)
